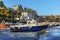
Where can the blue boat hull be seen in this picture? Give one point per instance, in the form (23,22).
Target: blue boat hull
(33,28)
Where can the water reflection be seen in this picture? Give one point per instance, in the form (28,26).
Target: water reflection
(51,34)
(5,34)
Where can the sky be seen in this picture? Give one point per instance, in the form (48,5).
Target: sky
(42,7)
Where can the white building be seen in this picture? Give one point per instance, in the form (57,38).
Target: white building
(17,8)
(26,16)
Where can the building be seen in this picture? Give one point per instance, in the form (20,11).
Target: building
(26,16)
(17,8)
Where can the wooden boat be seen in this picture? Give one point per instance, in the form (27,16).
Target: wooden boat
(4,25)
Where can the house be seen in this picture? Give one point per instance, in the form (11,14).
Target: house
(26,16)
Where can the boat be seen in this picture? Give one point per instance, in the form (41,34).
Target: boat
(4,25)
(56,24)
(52,24)
(30,25)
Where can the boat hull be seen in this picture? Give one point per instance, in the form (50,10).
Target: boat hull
(33,28)
(4,25)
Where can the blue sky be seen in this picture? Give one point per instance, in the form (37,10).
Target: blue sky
(43,7)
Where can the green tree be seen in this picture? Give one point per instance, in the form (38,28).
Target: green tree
(19,15)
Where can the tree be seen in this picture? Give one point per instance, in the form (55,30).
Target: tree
(52,17)
(29,10)
(8,13)
(1,3)
(19,15)
(20,8)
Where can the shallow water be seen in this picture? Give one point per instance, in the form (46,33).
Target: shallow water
(51,34)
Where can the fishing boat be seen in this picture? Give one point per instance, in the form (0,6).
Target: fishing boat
(30,25)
